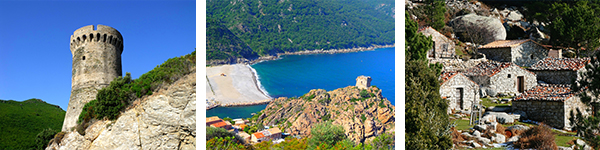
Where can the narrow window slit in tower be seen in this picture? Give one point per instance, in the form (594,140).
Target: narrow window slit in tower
(83,57)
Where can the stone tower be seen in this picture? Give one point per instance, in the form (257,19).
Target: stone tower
(96,62)
(363,82)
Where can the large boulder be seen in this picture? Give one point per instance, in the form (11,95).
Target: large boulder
(491,29)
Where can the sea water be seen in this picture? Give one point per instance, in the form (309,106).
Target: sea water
(296,75)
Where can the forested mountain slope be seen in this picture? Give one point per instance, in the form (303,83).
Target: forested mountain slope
(274,26)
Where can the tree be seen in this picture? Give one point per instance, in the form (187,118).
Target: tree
(325,134)
(42,138)
(437,10)
(417,44)
(383,141)
(575,25)
(427,123)
(589,88)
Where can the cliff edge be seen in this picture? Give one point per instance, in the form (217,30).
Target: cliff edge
(363,113)
(164,120)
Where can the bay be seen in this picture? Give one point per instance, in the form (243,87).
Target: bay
(295,75)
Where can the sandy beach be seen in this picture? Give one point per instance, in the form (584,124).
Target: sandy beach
(233,85)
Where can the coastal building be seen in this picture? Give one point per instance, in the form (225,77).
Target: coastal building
(268,134)
(550,104)
(363,82)
(520,52)
(217,122)
(559,70)
(244,136)
(502,77)
(442,46)
(459,90)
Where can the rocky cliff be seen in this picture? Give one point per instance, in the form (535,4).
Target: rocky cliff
(362,113)
(164,120)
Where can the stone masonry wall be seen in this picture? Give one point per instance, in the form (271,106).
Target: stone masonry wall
(96,62)
(551,113)
(556,77)
(497,54)
(573,104)
(470,92)
(502,83)
(528,54)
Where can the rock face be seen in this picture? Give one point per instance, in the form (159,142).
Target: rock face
(164,120)
(491,29)
(362,117)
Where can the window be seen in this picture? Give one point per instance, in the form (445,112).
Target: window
(83,58)
(508,75)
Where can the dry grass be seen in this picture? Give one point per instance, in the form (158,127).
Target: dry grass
(539,137)
(457,137)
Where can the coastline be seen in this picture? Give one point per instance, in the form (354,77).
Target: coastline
(256,85)
(234,85)
(316,51)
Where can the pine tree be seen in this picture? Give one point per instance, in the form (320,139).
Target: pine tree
(589,86)
(575,25)
(427,123)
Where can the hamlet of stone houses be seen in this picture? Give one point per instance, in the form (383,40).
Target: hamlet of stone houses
(507,82)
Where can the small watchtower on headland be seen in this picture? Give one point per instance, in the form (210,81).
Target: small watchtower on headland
(363,82)
(96,62)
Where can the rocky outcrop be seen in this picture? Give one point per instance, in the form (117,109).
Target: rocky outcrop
(489,28)
(164,120)
(362,117)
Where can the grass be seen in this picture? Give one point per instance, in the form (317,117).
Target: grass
(22,121)
(561,139)
(488,102)
(462,124)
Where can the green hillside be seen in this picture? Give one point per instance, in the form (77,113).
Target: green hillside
(274,26)
(221,44)
(20,122)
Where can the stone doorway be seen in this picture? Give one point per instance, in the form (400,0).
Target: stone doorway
(460,94)
(521,84)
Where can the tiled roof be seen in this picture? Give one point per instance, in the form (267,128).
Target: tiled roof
(547,92)
(489,68)
(425,28)
(213,118)
(504,43)
(274,130)
(258,135)
(560,64)
(220,124)
(446,75)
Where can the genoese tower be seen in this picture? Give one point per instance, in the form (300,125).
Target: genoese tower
(96,62)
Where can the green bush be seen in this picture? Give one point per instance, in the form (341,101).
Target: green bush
(363,118)
(364,93)
(42,138)
(383,141)
(212,132)
(325,134)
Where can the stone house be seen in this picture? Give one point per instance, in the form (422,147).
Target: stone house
(459,90)
(550,104)
(443,47)
(502,77)
(258,137)
(559,70)
(520,52)
(268,134)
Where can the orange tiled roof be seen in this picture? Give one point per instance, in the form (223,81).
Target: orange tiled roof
(560,64)
(446,75)
(547,92)
(427,27)
(258,135)
(504,43)
(220,124)
(489,68)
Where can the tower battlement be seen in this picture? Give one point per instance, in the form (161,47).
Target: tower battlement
(363,82)
(96,62)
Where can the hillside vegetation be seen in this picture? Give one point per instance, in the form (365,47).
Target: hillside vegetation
(20,122)
(275,26)
(225,46)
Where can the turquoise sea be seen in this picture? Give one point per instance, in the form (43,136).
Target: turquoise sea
(295,75)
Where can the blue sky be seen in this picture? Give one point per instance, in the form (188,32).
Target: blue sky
(35,59)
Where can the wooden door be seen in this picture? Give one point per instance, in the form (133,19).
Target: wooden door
(520,84)
(460,95)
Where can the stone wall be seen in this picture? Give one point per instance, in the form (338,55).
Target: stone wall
(470,92)
(528,54)
(556,77)
(443,48)
(505,81)
(497,54)
(96,62)
(551,113)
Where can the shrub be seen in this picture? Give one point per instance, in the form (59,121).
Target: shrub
(325,134)
(222,133)
(42,138)
(363,118)
(364,93)
(538,137)
(58,137)
(226,143)
(383,141)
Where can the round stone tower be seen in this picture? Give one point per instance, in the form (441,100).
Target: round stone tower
(96,62)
